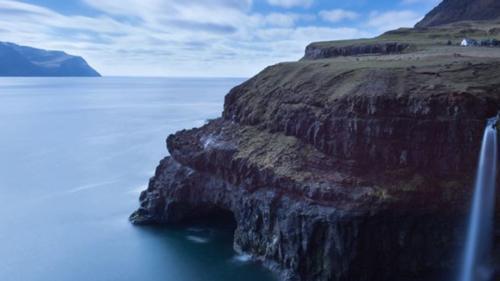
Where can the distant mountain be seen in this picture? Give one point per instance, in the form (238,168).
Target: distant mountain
(461,10)
(18,60)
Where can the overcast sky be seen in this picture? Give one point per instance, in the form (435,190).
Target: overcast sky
(228,38)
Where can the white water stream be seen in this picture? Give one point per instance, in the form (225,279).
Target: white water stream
(476,263)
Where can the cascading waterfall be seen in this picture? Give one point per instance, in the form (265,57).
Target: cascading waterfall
(476,264)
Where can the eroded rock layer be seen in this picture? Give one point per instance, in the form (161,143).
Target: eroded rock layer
(314,52)
(301,238)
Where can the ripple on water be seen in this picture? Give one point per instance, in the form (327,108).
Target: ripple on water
(197,239)
(242,258)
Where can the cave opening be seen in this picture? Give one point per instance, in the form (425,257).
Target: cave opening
(213,217)
(213,226)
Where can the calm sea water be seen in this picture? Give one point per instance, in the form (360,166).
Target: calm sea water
(74,155)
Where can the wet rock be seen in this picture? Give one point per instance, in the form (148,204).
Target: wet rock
(303,239)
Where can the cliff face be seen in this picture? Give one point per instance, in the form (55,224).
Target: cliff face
(450,11)
(306,239)
(375,119)
(318,52)
(18,60)
(340,168)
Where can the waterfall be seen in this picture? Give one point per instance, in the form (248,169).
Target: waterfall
(476,264)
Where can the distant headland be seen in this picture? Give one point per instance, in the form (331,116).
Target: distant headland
(16,60)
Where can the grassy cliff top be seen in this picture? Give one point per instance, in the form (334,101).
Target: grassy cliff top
(426,38)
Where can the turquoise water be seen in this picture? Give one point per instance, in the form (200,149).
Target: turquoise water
(74,155)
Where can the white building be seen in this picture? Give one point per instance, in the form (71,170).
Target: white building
(468,42)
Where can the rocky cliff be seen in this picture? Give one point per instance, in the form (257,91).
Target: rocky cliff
(314,51)
(450,11)
(356,166)
(18,60)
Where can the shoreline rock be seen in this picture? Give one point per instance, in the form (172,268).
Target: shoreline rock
(303,240)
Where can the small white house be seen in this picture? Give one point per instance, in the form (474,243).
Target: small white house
(468,42)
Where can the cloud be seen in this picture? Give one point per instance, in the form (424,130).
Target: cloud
(389,20)
(290,3)
(190,37)
(284,20)
(338,15)
(169,38)
(221,14)
(154,8)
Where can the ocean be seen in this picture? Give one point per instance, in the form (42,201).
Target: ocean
(75,154)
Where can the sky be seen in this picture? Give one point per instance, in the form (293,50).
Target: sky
(197,38)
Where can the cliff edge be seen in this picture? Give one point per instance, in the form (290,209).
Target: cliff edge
(355,163)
